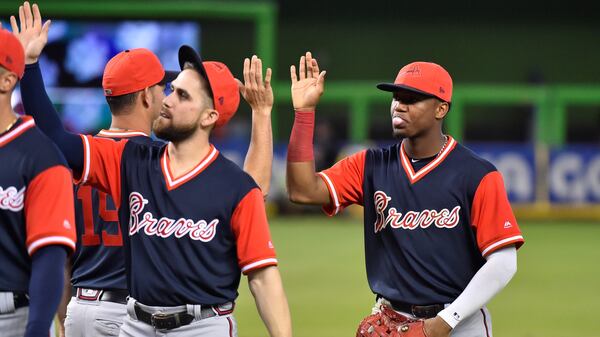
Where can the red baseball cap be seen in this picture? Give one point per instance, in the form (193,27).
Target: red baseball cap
(133,70)
(224,89)
(12,56)
(422,77)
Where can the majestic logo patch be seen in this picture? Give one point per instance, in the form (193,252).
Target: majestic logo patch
(165,227)
(11,199)
(444,218)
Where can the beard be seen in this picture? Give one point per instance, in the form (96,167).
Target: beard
(172,133)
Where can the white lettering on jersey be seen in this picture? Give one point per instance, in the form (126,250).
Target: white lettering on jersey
(11,199)
(411,219)
(165,227)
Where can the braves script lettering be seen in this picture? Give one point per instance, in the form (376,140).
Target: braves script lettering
(165,227)
(11,199)
(411,219)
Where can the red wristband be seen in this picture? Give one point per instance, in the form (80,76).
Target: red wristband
(300,147)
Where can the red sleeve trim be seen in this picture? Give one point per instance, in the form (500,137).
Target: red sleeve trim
(334,206)
(517,239)
(85,173)
(258,265)
(51,240)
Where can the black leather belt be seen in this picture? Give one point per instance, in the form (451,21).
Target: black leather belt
(419,311)
(21,300)
(162,321)
(115,296)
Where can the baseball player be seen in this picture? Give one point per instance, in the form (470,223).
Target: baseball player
(37,229)
(194,219)
(133,83)
(440,235)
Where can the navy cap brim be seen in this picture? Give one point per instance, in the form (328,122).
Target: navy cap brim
(169,77)
(188,54)
(392,87)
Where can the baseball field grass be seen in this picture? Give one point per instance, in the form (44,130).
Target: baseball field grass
(555,293)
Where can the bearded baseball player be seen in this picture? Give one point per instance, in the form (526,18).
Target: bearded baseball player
(133,83)
(195,220)
(440,235)
(37,228)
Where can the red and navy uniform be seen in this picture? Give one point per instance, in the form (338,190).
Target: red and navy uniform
(99,262)
(36,201)
(428,225)
(189,236)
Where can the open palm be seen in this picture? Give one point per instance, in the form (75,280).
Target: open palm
(32,34)
(307,90)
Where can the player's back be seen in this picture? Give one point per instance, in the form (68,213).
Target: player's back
(99,262)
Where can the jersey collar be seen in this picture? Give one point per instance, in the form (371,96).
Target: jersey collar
(174,182)
(23,124)
(416,176)
(121,133)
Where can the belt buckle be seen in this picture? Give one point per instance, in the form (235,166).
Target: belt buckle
(163,321)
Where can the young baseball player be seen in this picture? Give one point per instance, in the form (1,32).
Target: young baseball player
(37,228)
(440,235)
(133,83)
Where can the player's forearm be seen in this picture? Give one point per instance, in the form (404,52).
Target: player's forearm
(45,288)
(303,185)
(271,302)
(259,159)
(37,104)
(61,312)
(491,278)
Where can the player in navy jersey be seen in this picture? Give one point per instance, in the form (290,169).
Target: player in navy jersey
(36,211)
(133,83)
(195,220)
(440,235)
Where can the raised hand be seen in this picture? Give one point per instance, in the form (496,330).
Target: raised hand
(256,92)
(33,35)
(307,90)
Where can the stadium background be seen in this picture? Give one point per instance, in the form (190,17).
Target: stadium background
(527,96)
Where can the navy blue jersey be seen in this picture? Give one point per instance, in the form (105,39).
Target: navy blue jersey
(99,262)
(189,237)
(36,201)
(427,230)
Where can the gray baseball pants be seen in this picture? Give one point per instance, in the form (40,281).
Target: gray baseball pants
(94,318)
(216,326)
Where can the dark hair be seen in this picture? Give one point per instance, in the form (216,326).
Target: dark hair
(118,104)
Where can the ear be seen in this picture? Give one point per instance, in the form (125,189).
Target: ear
(442,110)
(209,117)
(8,81)
(146,97)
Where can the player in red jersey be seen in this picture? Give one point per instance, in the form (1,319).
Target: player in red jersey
(440,235)
(36,211)
(133,84)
